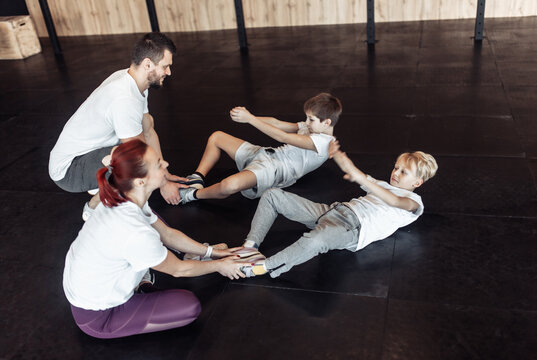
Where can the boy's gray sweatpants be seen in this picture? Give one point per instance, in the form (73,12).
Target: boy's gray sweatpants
(334,226)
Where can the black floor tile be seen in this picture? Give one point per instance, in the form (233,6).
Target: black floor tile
(465,135)
(458,74)
(279,317)
(29,172)
(206,100)
(21,135)
(335,57)
(515,36)
(289,100)
(313,75)
(437,331)
(481,186)
(457,54)
(462,100)
(526,126)
(15,102)
(522,99)
(445,36)
(376,101)
(42,226)
(379,134)
(515,52)
(473,261)
(517,73)
(377,75)
(388,53)
(63,103)
(49,329)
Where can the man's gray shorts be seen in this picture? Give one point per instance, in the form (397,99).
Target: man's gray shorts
(258,160)
(82,174)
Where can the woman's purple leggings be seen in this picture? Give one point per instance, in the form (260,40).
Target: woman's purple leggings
(143,313)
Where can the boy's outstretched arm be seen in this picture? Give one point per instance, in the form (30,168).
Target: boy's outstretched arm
(352,173)
(241,115)
(288,127)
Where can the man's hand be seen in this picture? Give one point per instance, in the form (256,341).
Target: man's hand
(241,115)
(175,178)
(170,192)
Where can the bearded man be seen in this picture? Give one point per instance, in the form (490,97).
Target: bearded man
(116,112)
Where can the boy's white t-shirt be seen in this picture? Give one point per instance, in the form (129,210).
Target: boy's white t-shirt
(379,220)
(110,255)
(297,162)
(113,111)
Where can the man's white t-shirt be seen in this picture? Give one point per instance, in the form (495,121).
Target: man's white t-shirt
(296,162)
(113,111)
(379,220)
(110,255)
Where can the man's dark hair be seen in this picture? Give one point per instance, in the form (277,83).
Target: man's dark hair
(152,46)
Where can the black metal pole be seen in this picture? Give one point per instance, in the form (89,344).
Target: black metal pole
(152,15)
(370,22)
(50,27)
(479,20)
(239,14)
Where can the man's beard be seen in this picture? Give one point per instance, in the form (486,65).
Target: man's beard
(154,80)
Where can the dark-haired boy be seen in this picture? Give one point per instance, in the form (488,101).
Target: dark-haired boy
(261,168)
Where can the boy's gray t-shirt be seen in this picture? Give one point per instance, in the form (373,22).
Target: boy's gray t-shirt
(296,162)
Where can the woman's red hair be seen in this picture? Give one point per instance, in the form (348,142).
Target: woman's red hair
(127,164)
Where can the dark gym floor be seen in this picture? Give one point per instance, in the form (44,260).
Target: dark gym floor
(459,283)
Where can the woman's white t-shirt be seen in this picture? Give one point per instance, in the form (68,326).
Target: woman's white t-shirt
(110,255)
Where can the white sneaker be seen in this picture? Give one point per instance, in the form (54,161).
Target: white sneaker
(87,212)
(254,269)
(148,278)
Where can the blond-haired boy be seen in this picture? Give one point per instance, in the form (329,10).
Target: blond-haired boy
(351,225)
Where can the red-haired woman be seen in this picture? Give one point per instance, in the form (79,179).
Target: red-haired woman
(120,242)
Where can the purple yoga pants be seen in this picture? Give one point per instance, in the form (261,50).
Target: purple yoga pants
(142,313)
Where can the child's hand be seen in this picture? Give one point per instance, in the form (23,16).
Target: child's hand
(333,148)
(352,173)
(240,114)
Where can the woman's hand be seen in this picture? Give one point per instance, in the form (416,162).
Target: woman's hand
(230,268)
